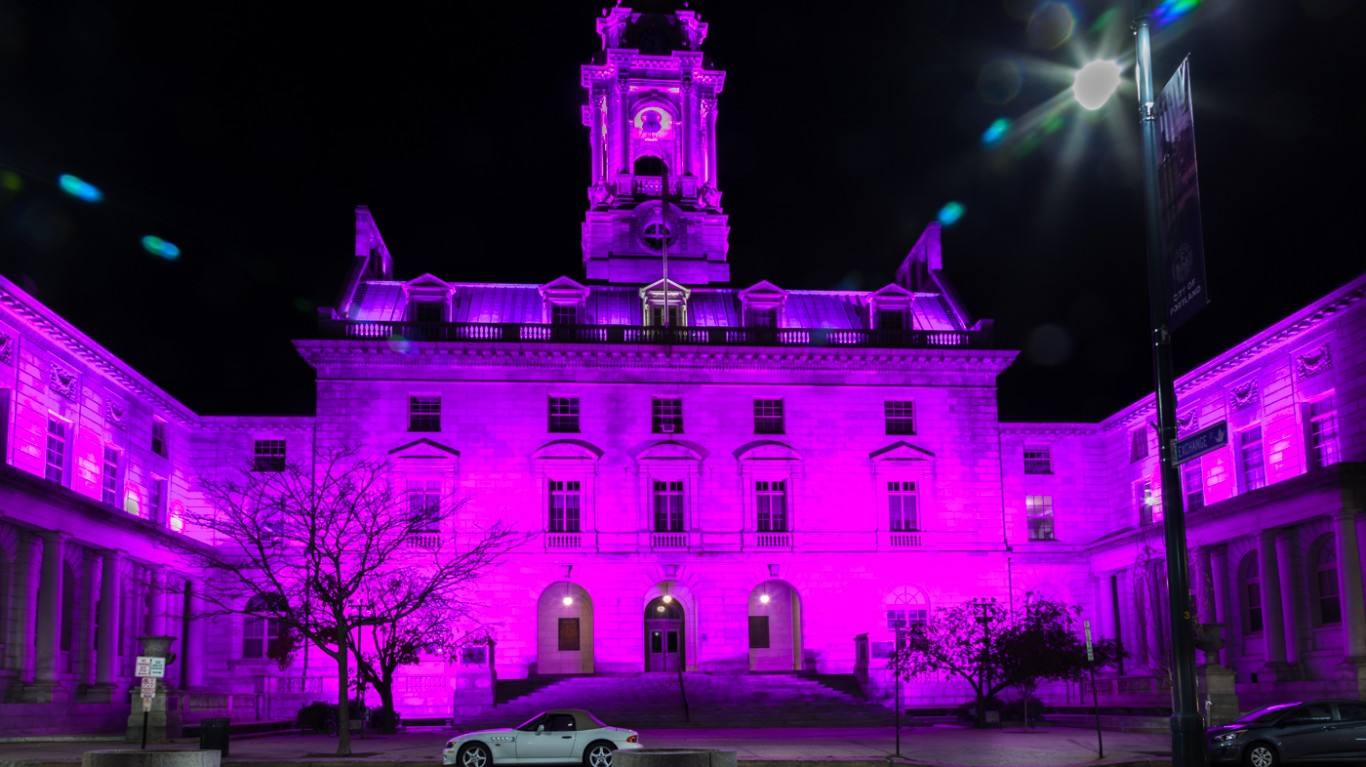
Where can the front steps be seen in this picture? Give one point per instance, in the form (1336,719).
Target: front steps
(654,701)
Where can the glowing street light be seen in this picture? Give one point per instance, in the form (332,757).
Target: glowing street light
(1095,83)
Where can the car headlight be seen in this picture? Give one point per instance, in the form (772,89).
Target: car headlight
(1229,737)
(450,744)
(632,738)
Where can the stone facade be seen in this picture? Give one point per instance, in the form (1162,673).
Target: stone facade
(735,480)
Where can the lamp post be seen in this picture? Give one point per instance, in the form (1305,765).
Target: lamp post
(1188,741)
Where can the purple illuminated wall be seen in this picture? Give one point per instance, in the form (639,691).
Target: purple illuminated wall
(775,478)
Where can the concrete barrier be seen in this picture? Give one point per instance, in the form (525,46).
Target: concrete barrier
(125,757)
(674,757)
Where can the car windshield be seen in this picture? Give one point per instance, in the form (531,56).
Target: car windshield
(530,724)
(1264,715)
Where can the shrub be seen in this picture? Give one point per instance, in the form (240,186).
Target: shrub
(967,712)
(384,720)
(317,715)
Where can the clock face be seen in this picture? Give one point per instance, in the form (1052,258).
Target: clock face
(652,123)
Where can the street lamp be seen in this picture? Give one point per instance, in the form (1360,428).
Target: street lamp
(1188,742)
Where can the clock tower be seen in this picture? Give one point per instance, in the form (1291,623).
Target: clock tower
(651,117)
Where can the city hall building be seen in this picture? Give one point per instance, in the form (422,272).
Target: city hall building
(727,479)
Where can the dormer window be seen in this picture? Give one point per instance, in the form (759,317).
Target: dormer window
(665,307)
(761,305)
(429,300)
(564,302)
(889,319)
(890,309)
(564,315)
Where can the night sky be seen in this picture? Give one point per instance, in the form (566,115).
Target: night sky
(246,134)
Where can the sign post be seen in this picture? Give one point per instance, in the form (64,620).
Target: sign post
(149,669)
(1095,697)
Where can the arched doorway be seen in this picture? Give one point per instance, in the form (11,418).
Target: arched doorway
(564,630)
(775,627)
(664,649)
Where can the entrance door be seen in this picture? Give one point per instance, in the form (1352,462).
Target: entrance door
(663,636)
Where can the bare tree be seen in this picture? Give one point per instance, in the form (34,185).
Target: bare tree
(302,545)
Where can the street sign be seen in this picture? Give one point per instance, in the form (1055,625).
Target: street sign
(1206,440)
(148,665)
(149,687)
(1090,655)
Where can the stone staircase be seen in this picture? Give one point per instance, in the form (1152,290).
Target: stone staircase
(653,701)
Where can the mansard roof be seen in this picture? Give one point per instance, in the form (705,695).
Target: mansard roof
(621,305)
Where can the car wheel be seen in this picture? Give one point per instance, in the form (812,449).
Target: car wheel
(474,755)
(598,754)
(1261,755)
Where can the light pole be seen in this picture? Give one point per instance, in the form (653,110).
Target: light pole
(1188,741)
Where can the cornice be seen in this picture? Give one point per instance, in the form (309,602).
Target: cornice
(337,353)
(81,347)
(1309,319)
(1054,429)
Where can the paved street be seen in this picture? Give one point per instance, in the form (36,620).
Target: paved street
(862,746)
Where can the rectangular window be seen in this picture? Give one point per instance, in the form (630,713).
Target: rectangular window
(890,319)
(56,450)
(564,314)
(1254,606)
(666,415)
(902,510)
(159,444)
(1148,504)
(656,316)
(569,634)
(424,504)
(1250,458)
(900,416)
(1138,444)
(269,455)
(564,414)
(564,506)
(1038,459)
(768,416)
(1193,485)
(1322,419)
(1039,511)
(429,311)
(156,500)
(668,504)
(109,477)
(770,500)
(1330,607)
(758,632)
(424,413)
(762,318)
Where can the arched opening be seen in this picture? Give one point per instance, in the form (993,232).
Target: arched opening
(775,627)
(649,165)
(564,630)
(664,645)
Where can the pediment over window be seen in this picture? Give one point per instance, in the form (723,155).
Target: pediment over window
(900,451)
(891,295)
(766,450)
(671,450)
(424,448)
(563,290)
(763,293)
(567,450)
(428,283)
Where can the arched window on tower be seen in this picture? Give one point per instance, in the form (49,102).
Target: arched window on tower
(648,165)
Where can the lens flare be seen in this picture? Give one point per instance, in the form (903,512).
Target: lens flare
(1051,25)
(81,190)
(1095,83)
(996,131)
(11,181)
(950,213)
(1169,11)
(159,247)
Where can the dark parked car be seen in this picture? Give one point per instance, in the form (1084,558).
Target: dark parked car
(1300,732)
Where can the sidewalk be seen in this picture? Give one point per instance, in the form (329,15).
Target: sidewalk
(940,746)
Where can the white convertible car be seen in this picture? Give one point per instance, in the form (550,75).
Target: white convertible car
(558,736)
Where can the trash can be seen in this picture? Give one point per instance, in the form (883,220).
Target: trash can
(213,734)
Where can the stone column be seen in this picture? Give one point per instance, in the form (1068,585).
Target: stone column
(595,118)
(1349,587)
(1218,573)
(49,624)
(1204,586)
(156,601)
(711,147)
(109,618)
(1273,621)
(622,122)
(84,648)
(1156,636)
(30,566)
(1285,559)
(192,648)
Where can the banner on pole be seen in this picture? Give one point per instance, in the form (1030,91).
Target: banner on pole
(1183,248)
